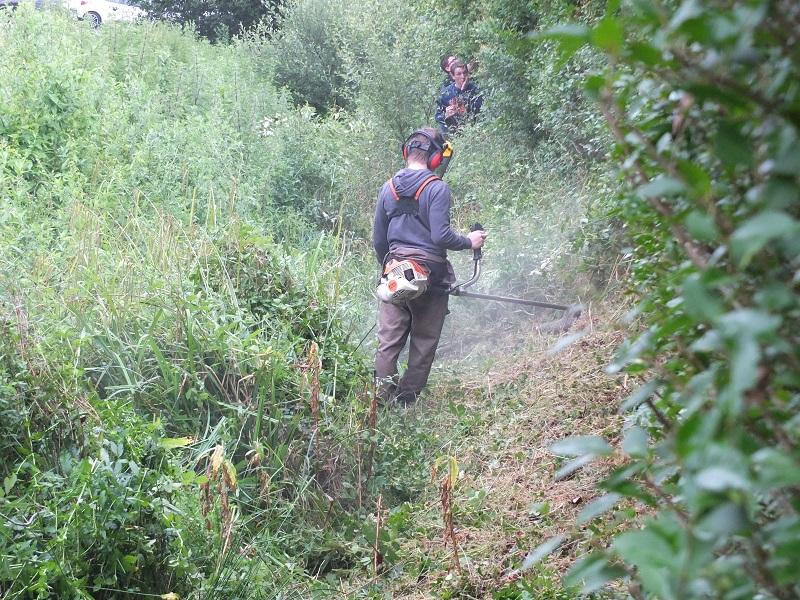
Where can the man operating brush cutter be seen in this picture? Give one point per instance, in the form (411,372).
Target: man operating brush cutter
(411,237)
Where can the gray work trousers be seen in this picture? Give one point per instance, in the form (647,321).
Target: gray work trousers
(421,320)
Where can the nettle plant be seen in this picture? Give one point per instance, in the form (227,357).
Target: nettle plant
(704,101)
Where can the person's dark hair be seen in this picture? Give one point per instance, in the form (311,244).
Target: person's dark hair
(419,147)
(445,62)
(458,65)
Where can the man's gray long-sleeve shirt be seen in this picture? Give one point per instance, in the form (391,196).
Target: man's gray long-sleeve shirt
(427,230)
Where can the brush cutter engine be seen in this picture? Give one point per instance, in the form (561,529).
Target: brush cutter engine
(402,280)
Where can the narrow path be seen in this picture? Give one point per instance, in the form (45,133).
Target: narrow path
(498,422)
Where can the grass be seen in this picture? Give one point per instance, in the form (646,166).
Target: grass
(497,414)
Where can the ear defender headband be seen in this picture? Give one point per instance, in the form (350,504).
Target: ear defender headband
(434,149)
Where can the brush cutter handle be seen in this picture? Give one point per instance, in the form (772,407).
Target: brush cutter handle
(477,254)
(456,289)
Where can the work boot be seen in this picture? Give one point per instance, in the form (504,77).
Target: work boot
(386,389)
(406,399)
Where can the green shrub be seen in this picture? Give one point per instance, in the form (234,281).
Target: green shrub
(133,291)
(87,487)
(702,101)
(163,273)
(308,47)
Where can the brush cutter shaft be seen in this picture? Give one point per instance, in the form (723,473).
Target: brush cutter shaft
(459,292)
(476,273)
(459,289)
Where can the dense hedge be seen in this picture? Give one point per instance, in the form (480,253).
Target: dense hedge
(703,101)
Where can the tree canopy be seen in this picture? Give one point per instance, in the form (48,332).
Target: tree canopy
(216,20)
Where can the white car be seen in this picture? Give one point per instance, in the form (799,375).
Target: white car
(97,12)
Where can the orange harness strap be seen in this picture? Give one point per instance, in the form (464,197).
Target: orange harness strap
(393,190)
(419,191)
(424,184)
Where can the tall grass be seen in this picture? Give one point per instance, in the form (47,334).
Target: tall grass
(159,293)
(176,235)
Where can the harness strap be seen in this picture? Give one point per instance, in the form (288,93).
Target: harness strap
(430,179)
(392,189)
(424,184)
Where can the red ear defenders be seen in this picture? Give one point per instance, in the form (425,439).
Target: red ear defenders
(433,148)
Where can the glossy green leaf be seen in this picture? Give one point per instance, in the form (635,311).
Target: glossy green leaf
(635,442)
(750,16)
(720,479)
(788,161)
(704,91)
(731,146)
(700,301)
(631,351)
(597,507)
(661,186)
(784,537)
(724,520)
(542,551)
(692,21)
(748,322)
(641,394)
(580,445)
(573,466)
(653,555)
(701,226)
(696,177)
(724,28)
(645,53)
(760,230)
(745,358)
(779,193)
(608,35)
(774,468)
(689,9)
(710,341)
(593,85)
(570,37)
